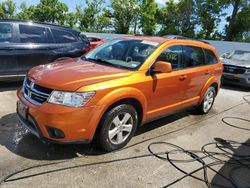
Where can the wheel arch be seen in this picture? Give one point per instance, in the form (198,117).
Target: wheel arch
(211,82)
(135,99)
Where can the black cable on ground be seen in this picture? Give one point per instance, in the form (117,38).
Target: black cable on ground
(198,156)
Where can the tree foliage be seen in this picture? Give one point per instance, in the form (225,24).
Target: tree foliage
(208,17)
(148,10)
(123,14)
(177,18)
(191,18)
(7,9)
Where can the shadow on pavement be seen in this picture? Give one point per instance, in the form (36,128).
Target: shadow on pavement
(17,139)
(236,169)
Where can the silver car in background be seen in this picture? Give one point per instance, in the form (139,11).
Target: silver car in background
(236,68)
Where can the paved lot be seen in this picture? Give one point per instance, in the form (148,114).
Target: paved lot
(39,165)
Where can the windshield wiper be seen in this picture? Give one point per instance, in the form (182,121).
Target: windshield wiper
(103,61)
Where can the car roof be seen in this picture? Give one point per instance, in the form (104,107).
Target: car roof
(161,40)
(35,22)
(147,38)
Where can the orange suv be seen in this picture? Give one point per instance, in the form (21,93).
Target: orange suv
(117,87)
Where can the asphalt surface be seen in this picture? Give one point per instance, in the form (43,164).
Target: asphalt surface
(27,162)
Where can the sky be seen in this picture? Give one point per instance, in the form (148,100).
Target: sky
(72,4)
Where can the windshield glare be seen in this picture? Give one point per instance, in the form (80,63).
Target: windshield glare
(241,56)
(124,53)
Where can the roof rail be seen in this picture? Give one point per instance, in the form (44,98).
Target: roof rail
(183,38)
(37,22)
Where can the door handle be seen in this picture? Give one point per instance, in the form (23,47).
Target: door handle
(183,77)
(207,72)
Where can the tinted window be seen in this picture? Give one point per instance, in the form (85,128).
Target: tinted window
(61,36)
(6,33)
(210,57)
(172,55)
(32,34)
(193,56)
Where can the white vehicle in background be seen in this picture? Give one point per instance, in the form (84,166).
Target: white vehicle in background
(226,55)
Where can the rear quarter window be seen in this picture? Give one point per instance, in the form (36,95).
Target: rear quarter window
(61,36)
(210,57)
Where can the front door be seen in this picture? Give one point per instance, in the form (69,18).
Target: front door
(167,89)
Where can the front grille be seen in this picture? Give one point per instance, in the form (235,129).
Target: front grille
(234,69)
(34,93)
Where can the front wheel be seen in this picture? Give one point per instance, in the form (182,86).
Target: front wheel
(117,127)
(208,101)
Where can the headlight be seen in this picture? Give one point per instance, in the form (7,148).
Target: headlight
(248,70)
(73,99)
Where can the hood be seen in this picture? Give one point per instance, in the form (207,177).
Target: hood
(238,63)
(71,74)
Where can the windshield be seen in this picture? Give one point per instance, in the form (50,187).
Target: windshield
(240,56)
(123,53)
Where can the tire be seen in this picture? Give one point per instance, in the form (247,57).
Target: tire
(205,106)
(115,131)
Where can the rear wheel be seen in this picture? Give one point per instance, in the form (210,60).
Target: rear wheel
(117,127)
(207,102)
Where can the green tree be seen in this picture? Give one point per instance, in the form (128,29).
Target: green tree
(241,29)
(87,16)
(177,18)
(26,13)
(208,13)
(52,11)
(70,19)
(148,10)
(7,9)
(123,15)
(237,6)
(103,21)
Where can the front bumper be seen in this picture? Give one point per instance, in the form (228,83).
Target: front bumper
(237,79)
(77,124)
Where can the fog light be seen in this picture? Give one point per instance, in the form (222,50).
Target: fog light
(54,132)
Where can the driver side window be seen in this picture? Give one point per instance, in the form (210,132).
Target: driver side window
(172,55)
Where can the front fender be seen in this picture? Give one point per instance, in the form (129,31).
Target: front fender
(123,93)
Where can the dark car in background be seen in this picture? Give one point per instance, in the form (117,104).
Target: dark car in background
(25,44)
(236,68)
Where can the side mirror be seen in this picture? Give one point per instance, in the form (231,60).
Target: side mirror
(162,67)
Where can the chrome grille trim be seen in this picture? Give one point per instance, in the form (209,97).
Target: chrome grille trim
(33,95)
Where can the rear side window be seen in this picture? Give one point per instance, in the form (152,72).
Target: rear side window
(172,55)
(6,33)
(210,57)
(61,36)
(193,56)
(32,34)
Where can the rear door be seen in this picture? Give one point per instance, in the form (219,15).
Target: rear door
(35,46)
(8,64)
(195,71)
(69,43)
